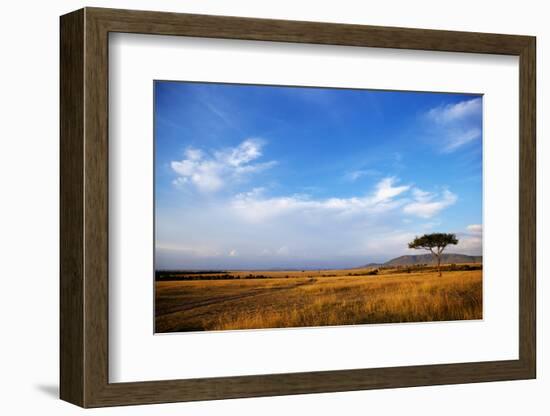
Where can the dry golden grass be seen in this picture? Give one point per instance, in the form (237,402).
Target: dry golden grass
(316,299)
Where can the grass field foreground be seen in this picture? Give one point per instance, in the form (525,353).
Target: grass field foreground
(307,299)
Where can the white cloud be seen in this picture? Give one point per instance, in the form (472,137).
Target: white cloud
(254,207)
(475,228)
(426,204)
(457,124)
(421,196)
(210,174)
(255,228)
(194,154)
(204,174)
(386,191)
(456,112)
(246,152)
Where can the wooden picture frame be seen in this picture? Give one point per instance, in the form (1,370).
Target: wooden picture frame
(84,207)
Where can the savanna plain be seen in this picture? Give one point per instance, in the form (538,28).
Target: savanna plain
(230,300)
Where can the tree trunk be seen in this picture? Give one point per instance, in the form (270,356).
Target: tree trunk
(439,265)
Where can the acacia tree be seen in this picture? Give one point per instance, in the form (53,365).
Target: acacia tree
(434,243)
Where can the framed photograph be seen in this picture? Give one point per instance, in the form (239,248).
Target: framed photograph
(306,223)
(254,207)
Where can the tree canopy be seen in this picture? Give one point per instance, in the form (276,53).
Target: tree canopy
(435,243)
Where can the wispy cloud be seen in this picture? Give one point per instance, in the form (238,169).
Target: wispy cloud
(386,196)
(218,112)
(354,175)
(459,138)
(385,190)
(450,113)
(428,204)
(209,173)
(456,124)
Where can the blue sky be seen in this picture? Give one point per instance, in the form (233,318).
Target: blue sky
(267,176)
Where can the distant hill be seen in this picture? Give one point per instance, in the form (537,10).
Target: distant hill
(448,258)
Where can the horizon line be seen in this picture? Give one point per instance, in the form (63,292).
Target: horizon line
(309,268)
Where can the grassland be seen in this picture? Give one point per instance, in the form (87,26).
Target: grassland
(278,299)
